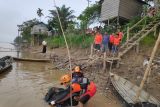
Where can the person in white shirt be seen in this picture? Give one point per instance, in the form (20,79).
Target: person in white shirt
(44,43)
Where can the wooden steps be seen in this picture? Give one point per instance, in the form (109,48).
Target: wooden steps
(137,37)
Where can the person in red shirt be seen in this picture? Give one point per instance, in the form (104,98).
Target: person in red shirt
(98,41)
(120,34)
(116,43)
(111,40)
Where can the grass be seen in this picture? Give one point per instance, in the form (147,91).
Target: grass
(148,40)
(80,41)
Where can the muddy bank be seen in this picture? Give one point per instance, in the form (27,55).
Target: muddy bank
(130,68)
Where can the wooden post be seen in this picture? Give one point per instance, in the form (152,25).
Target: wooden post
(108,22)
(127,36)
(148,68)
(91,51)
(137,47)
(118,63)
(32,40)
(149,73)
(155,31)
(104,61)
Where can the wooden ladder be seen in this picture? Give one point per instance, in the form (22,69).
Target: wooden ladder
(136,38)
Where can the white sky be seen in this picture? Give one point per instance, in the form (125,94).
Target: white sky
(14,12)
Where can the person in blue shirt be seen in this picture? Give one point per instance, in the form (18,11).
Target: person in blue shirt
(105,42)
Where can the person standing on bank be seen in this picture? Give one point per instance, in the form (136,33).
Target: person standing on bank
(105,42)
(98,40)
(44,43)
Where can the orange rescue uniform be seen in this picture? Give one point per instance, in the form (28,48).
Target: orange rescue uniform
(120,34)
(116,41)
(98,39)
(111,39)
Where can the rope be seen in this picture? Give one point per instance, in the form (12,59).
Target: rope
(69,56)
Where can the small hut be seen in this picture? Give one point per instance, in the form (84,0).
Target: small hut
(38,31)
(120,9)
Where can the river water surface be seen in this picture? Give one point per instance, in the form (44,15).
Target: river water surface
(25,84)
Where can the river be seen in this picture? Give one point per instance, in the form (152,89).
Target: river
(25,84)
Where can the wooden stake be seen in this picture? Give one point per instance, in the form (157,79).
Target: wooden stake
(91,51)
(127,36)
(104,61)
(137,48)
(148,68)
(155,31)
(149,73)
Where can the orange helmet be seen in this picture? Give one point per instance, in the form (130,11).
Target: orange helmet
(75,87)
(77,69)
(65,79)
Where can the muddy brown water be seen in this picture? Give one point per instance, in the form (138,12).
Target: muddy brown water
(26,83)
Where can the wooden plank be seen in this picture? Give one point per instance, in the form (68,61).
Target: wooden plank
(126,8)
(109,9)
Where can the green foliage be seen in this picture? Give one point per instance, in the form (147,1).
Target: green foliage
(148,40)
(81,41)
(26,29)
(18,40)
(39,12)
(66,17)
(89,15)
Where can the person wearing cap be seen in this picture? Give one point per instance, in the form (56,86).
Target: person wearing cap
(77,74)
(88,89)
(78,77)
(63,96)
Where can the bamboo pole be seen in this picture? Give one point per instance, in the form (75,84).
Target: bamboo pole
(68,51)
(155,31)
(127,36)
(137,47)
(91,51)
(148,68)
(104,61)
(137,23)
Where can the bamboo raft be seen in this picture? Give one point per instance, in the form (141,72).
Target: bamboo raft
(31,59)
(128,90)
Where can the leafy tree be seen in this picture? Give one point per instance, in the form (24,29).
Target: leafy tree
(18,40)
(89,15)
(39,13)
(66,17)
(26,29)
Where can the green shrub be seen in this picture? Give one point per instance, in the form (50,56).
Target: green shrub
(148,40)
(82,41)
